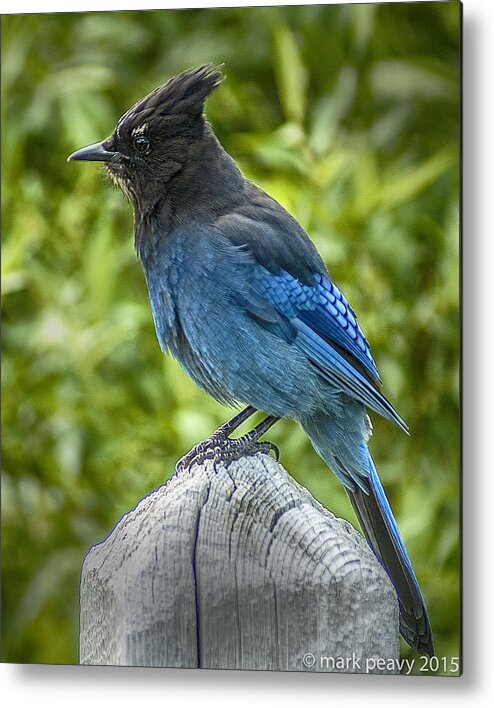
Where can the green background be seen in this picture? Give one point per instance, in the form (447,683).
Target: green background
(349,116)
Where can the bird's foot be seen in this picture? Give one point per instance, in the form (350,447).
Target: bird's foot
(221,448)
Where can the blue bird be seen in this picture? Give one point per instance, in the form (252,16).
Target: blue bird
(242,299)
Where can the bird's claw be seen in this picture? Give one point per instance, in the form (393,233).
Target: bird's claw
(220,448)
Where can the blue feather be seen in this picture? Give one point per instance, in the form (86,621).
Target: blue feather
(379,526)
(318,313)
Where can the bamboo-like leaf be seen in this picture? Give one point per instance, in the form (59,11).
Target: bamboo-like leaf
(290,74)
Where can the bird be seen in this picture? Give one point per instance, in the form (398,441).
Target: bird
(242,299)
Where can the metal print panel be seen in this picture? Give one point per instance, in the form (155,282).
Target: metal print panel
(237,447)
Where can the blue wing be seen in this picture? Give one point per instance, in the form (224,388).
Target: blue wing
(318,319)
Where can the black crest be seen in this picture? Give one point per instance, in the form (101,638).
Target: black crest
(179,96)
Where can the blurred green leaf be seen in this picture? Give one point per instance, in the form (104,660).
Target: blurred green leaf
(406,79)
(405,185)
(290,74)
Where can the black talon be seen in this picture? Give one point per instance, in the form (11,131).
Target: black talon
(221,448)
(274,448)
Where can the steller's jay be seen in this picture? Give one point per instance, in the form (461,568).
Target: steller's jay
(242,299)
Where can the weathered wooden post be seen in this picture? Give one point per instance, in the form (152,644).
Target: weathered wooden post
(236,567)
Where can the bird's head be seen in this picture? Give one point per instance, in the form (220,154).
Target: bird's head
(157,137)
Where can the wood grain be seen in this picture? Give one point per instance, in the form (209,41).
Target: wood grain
(236,567)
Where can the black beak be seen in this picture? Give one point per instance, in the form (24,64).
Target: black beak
(92,153)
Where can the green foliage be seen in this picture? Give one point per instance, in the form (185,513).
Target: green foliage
(346,114)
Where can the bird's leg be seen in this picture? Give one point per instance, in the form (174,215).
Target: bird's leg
(221,448)
(231,426)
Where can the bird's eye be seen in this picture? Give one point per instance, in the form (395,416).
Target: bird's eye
(141,143)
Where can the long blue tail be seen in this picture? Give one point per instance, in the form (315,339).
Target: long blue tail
(340,442)
(376,519)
